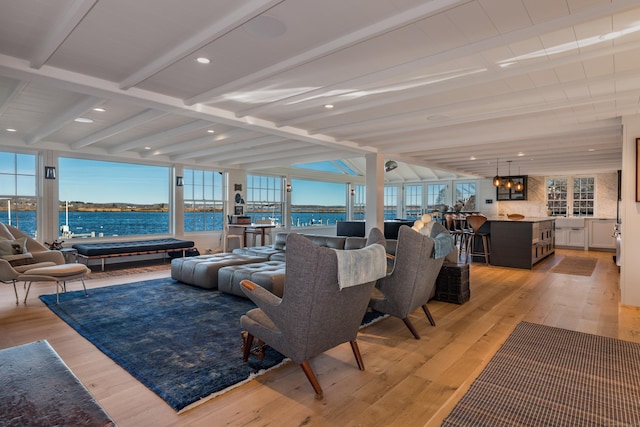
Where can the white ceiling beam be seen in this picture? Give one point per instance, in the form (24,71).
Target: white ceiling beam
(138,119)
(59,30)
(15,91)
(236,156)
(226,137)
(77,110)
(225,24)
(428,8)
(291,158)
(449,55)
(476,80)
(16,68)
(150,140)
(216,148)
(457,110)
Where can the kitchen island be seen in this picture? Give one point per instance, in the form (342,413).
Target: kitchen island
(520,243)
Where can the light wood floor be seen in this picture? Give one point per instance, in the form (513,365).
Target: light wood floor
(407,382)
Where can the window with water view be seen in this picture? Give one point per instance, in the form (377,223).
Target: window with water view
(18,191)
(99,198)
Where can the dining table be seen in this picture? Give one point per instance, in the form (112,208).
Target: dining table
(252,229)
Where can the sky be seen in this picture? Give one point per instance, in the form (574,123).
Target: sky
(106,182)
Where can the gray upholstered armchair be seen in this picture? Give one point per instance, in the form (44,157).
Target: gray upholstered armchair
(316,311)
(413,280)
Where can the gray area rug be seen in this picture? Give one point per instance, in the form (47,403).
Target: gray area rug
(37,389)
(546,376)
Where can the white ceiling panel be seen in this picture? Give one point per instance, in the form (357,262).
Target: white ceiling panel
(423,81)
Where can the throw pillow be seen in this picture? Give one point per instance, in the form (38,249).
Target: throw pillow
(5,233)
(13,247)
(20,259)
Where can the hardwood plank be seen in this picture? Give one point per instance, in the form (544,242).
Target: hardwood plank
(406,382)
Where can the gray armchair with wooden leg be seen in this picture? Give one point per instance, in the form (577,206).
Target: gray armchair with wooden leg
(317,311)
(413,280)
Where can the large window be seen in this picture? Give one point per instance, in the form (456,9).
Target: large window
(436,197)
(100,198)
(413,201)
(264,198)
(466,196)
(583,196)
(203,200)
(317,202)
(18,191)
(557,196)
(359,200)
(390,202)
(579,202)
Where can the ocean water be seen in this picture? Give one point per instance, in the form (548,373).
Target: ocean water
(104,224)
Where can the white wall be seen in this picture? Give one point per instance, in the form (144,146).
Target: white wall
(630,210)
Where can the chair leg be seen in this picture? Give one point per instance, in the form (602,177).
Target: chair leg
(312,378)
(356,353)
(86,294)
(429,316)
(246,350)
(26,294)
(411,328)
(15,291)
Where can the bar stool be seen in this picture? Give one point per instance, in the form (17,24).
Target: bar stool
(459,236)
(474,235)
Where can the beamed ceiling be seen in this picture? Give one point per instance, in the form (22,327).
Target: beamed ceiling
(444,87)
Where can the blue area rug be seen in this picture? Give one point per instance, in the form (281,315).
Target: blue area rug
(180,341)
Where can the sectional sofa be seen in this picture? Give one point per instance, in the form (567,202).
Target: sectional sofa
(264,265)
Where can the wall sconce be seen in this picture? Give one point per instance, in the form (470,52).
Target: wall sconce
(179,181)
(288,187)
(49,172)
(353,191)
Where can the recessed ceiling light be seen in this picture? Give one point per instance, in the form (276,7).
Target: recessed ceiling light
(147,148)
(507,64)
(472,158)
(211,131)
(520,154)
(592,149)
(203,60)
(99,110)
(11,130)
(83,120)
(328,106)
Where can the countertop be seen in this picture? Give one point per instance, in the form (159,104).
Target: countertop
(526,219)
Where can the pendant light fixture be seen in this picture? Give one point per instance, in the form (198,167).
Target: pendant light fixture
(519,185)
(497,181)
(509,182)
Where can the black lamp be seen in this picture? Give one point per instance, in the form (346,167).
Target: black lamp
(179,181)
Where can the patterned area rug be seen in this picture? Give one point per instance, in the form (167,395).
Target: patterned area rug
(37,389)
(180,341)
(578,265)
(545,376)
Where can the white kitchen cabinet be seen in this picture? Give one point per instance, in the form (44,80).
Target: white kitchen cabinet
(571,232)
(601,234)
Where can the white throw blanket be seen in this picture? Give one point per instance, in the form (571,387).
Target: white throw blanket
(359,266)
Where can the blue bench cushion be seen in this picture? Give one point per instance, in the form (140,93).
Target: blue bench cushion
(112,248)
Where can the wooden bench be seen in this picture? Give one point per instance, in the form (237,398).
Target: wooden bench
(102,251)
